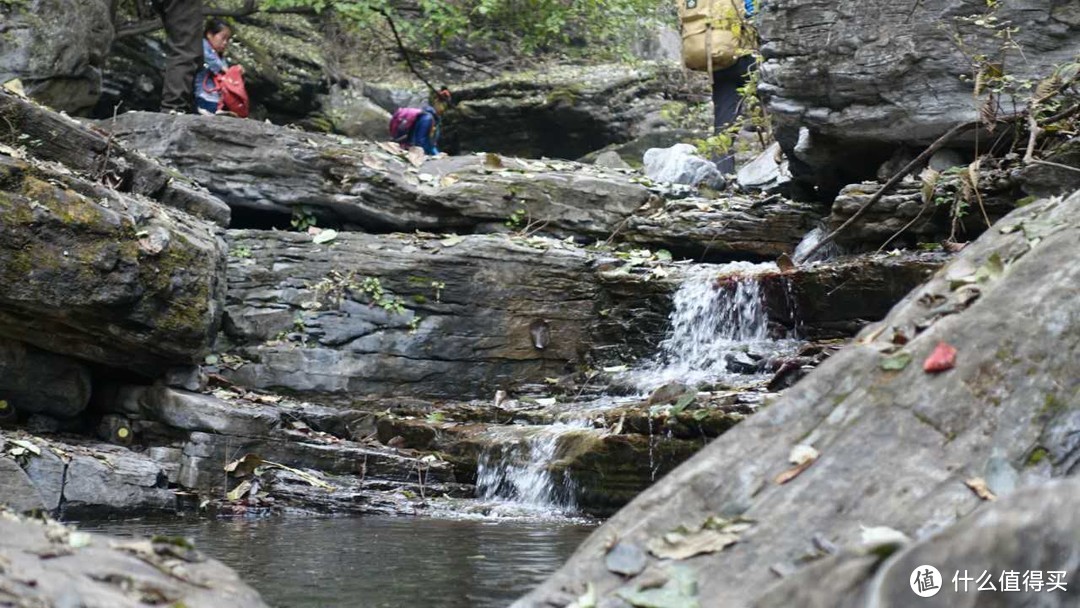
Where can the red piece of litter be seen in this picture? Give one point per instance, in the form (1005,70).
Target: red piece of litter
(943,358)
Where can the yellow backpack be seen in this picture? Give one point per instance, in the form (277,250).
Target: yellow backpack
(712,29)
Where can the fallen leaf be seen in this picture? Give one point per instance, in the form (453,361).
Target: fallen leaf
(373,163)
(803,453)
(979,487)
(239,491)
(792,473)
(449,180)
(897,362)
(244,466)
(679,545)
(416,156)
(943,358)
(785,263)
(492,161)
(26,445)
(450,241)
(616,369)
(15,86)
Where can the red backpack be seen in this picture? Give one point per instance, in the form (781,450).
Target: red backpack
(402,122)
(234,97)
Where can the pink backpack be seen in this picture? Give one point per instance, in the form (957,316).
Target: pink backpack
(401,123)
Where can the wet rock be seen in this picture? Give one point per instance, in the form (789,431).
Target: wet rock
(719,229)
(680,164)
(36,381)
(633,151)
(104,276)
(20,495)
(741,363)
(946,159)
(188,377)
(896,444)
(268,172)
(57,49)
(565,111)
(48,564)
(1044,517)
(863,82)
(836,299)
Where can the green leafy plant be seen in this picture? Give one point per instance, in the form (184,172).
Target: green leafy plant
(302,218)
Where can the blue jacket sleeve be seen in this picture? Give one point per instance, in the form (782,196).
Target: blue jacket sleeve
(424,134)
(212,60)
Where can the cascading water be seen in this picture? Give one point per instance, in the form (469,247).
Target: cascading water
(719,314)
(810,241)
(517,468)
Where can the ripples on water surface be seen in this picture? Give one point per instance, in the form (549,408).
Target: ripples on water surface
(377,562)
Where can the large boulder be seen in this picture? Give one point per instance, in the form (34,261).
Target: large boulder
(566,111)
(875,439)
(48,564)
(864,79)
(104,276)
(57,49)
(680,164)
(982,547)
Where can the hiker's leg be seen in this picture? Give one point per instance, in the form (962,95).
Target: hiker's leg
(183,29)
(727,104)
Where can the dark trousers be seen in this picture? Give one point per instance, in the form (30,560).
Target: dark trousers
(727,104)
(184,33)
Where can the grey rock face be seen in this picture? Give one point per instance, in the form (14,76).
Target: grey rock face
(57,49)
(20,495)
(350,113)
(104,276)
(680,164)
(36,381)
(567,111)
(1051,180)
(463,327)
(47,565)
(896,446)
(888,73)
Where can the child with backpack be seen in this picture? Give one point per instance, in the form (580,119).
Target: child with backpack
(420,126)
(219,88)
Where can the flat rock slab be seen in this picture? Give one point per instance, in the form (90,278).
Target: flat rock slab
(273,170)
(48,564)
(734,227)
(895,445)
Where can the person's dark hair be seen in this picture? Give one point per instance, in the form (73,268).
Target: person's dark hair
(216,26)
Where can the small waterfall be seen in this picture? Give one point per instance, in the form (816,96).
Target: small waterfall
(719,313)
(810,241)
(516,468)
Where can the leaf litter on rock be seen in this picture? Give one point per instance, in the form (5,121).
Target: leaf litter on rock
(943,358)
(802,456)
(979,486)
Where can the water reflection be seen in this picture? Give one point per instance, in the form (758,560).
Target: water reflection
(377,562)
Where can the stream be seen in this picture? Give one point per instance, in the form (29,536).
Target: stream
(376,562)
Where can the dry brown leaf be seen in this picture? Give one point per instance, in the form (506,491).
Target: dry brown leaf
(792,473)
(785,263)
(979,487)
(678,545)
